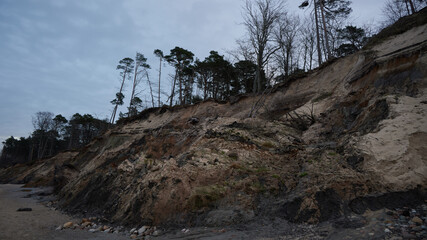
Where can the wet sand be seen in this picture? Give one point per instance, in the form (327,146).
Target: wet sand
(40,223)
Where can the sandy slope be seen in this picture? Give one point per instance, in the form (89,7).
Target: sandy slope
(398,150)
(40,223)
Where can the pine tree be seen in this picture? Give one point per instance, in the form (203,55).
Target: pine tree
(181,59)
(141,67)
(126,65)
(159,54)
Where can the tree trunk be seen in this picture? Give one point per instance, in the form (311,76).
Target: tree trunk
(160,75)
(311,60)
(151,90)
(71,138)
(51,147)
(45,146)
(319,52)
(180,88)
(113,115)
(205,89)
(121,89)
(133,88)
(322,10)
(412,6)
(407,7)
(173,87)
(287,62)
(257,82)
(254,86)
(305,57)
(39,152)
(30,154)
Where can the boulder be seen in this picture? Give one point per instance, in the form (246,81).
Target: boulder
(68,224)
(143,229)
(86,224)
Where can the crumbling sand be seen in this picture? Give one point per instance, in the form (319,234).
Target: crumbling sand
(398,151)
(411,37)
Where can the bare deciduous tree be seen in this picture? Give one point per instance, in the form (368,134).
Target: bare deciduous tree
(308,35)
(395,9)
(286,35)
(261,17)
(42,123)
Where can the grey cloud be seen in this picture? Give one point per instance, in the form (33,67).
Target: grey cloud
(61,55)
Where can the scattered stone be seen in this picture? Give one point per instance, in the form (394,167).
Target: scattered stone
(156,233)
(371,234)
(85,220)
(86,224)
(105,227)
(406,235)
(132,230)
(149,231)
(387,230)
(107,230)
(133,236)
(390,213)
(93,230)
(143,229)
(417,220)
(68,224)
(417,229)
(59,228)
(24,209)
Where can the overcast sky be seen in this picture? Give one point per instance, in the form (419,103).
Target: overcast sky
(60,55)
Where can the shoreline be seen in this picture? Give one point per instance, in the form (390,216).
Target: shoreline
(41,221)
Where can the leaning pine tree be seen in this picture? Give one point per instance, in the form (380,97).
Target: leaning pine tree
(141,67)
(126,65)
(159,54)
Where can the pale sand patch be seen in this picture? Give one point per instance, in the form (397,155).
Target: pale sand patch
(411,37)
(398,151)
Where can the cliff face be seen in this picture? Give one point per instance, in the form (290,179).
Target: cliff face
(349,137)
